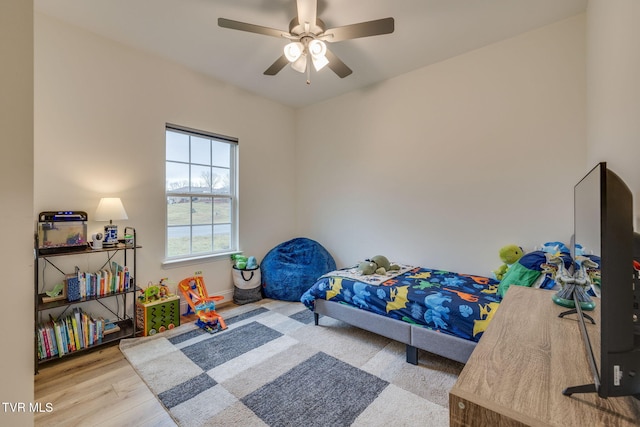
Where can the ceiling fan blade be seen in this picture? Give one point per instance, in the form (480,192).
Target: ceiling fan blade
(307,11)
(276,66)
(363,29)
(251,28)
(336,64)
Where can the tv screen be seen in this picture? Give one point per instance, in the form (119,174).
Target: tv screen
(603,221)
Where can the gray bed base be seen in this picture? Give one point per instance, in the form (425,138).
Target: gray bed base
(415,337)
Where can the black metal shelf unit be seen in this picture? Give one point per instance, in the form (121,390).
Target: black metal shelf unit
(124,320)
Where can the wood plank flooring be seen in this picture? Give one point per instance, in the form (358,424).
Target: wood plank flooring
(98,389)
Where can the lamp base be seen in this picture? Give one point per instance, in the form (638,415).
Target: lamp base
(110,236)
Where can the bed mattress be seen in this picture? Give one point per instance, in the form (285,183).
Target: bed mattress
(456,304)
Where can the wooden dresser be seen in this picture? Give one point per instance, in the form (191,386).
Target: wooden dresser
(524,360)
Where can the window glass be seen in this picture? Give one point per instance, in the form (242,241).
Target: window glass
(201,194)
(201,150)
(177,146)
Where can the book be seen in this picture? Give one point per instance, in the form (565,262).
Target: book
(73,287)
(59,339)
(99,284)
(118,271)
(82,285)
(77,325)
(70,336)
(44,348)
(73,332)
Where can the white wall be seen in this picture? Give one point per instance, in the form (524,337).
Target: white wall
(442,166)
(16,228)
(614,89)
(100,114)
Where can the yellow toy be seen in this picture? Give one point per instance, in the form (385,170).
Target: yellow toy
(509,255)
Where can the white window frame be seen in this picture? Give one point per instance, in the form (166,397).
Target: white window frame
(189,194)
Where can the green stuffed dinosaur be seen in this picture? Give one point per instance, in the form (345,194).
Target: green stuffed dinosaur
(379,264)
(509,255)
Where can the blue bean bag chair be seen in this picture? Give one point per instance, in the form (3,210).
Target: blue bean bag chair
(292,267)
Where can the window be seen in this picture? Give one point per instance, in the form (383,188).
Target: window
(200,187)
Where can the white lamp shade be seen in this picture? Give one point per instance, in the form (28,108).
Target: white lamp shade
(293,51)
(110,208)
(320,62)
(318,50)
(300,64)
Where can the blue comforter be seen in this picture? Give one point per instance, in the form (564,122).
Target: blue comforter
(457,304)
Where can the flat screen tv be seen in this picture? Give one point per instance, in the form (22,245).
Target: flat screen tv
(603,227)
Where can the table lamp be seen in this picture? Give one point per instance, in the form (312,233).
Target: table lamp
(110,208)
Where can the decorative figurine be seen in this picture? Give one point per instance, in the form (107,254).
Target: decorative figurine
(573,287)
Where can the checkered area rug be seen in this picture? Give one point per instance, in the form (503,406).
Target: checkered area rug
(274,367)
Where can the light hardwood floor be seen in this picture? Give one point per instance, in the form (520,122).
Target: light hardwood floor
(98,389)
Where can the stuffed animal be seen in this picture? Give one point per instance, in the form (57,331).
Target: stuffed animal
(379,264)
(367,267)
(509,255)
(555,248)
(252,263)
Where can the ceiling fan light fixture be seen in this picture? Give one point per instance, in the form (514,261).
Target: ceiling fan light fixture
(319,62)
(300,64)
(307,35)
(318,50)
(293,51)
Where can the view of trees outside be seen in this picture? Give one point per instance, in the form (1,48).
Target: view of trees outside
(199,196)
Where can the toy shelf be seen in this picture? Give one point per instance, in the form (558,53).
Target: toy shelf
(124,300)
(42,306)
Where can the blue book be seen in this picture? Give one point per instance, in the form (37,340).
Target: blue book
(73,287)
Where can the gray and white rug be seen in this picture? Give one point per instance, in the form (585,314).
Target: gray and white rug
(274,367)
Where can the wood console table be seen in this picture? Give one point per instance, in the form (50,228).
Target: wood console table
(524,360)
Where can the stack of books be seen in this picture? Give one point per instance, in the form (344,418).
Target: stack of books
(99,283)
(76,331)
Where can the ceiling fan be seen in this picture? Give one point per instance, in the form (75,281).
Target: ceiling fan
(307,35)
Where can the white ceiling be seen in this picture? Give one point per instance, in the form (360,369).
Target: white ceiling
(426,32)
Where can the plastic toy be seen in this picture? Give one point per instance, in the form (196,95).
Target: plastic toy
(195,293)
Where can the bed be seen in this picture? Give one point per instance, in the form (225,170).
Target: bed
(439,311)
